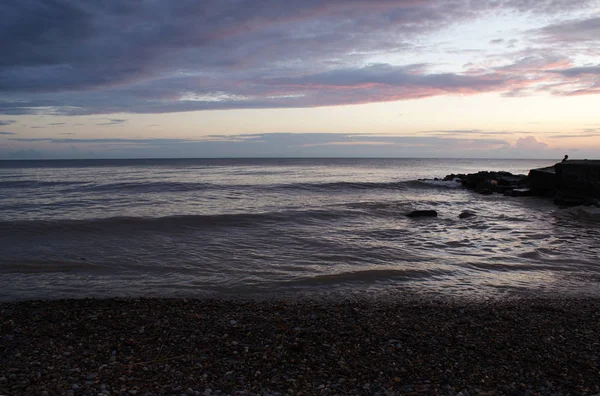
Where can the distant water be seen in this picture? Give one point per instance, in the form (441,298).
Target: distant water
(282,227)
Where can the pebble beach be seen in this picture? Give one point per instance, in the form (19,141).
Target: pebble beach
(115,346)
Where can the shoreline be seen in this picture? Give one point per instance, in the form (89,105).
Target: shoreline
(155,346)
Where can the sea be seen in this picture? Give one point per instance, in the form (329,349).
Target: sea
(284,228)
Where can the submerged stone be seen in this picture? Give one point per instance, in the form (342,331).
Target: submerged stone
(466,214)
(422,213)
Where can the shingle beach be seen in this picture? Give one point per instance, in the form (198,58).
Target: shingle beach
(309,347)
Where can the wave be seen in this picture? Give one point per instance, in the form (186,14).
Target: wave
(181,223)
(33,266)
(372,275)
(174,187)
(392,185)
(195,186)
(585,213)
(438,183)
(37,183)
(146,187)
(338,186)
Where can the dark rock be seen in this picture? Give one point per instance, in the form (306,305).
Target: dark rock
(571,182)
(422,213)
(577,181)
(465,214)
(487,183)
(543,181)
(569,200)
(484,186)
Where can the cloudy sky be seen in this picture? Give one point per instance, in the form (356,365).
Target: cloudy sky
(230,78)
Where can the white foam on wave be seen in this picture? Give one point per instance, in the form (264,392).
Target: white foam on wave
(583,212)
(454,183)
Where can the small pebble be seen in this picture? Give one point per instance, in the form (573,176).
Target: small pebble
(397,348)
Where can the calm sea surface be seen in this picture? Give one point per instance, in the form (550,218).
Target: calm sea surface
(282,227)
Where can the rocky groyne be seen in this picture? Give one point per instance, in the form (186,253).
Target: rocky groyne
(487,183)
(569,183)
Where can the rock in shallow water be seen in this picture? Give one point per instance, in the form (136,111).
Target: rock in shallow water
(465,214)
(422,213)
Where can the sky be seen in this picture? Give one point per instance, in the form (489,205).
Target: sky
(299,78)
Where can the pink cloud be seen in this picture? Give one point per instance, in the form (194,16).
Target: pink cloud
(531,143)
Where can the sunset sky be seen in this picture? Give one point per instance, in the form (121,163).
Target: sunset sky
(236,78)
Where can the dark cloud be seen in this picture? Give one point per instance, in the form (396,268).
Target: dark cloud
(579,71)
(283,138)
(387,75)
(453,132)
(496,41)
(573,31)
(24,154)
(7,133)
(531,71)
(57,123)
(279,144)
(29,106)
(74,45)
(548,6)
(577,81)
(113,121)
(37,28)
(337,86)
(286,145)
(7,122)
(68,57)
(536,62)
(103,141)
(577,135)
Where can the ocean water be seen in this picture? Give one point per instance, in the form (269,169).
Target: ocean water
(256,228)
